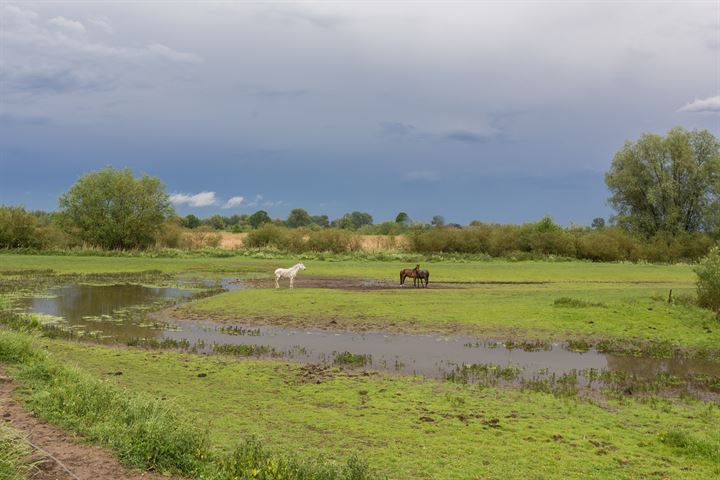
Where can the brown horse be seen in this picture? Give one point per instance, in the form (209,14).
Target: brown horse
(409,272)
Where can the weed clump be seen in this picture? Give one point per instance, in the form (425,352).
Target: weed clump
(708,281)
(693,445)
(13,452)
(576,303)
(251,461)
(352,359)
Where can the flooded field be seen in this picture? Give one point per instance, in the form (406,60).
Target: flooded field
(117,313)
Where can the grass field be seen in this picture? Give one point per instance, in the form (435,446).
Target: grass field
(412,427)
(417,428)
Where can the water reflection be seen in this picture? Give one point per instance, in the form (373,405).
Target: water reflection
(116,311)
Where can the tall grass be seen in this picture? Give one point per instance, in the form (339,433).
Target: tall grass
(14,454)
(142,431)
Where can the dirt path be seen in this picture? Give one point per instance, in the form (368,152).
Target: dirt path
(86,462)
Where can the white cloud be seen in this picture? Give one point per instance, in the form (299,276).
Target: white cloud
(202,199)
(234,202)
(710,104)
(67,24)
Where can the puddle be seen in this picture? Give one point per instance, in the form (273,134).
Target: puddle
(106,311)
(433,356)
(113,313)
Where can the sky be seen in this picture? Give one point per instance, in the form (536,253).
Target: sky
(492,111)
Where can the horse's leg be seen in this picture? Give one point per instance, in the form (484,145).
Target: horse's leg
(402,278)
(277,281)
(292,280)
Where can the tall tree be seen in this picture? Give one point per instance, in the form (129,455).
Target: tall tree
(258,218)
(438,221)
(298,217)
(669,183)
(113,209)
(403,218)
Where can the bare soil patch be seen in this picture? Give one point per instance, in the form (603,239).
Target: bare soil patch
(86,462)
(344,283)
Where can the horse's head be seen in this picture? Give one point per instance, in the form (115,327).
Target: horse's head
(301,266)
(417,267)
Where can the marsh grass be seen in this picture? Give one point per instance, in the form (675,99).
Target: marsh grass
(576,303)
(484,373)
(245,350)
(352,359)
(14,453)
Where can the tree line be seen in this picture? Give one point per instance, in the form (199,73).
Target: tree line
(665,190)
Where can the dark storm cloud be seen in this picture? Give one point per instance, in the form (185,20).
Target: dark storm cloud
(343,103)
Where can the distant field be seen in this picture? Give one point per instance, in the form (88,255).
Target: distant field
(368,243)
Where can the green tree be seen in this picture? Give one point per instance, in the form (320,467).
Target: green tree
(191,221)
(354,220)
(438,221)
(669,184)
(259,218)
(320,220)
(18,228)
(298,217)
(113,209)
(598,223)
(403,218)
(217,222)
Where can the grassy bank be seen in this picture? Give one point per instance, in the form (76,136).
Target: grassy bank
(417,428)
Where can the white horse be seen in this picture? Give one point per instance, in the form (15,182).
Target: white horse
(288,273)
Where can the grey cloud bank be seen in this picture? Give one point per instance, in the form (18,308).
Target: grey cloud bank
(349,106)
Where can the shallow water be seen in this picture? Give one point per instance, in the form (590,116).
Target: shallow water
(117,313)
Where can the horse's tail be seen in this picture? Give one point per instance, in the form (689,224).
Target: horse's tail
(427,278)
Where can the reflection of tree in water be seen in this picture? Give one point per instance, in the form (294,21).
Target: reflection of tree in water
(650,367)
(77,301)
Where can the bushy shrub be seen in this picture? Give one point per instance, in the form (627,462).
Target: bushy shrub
(19,229)
(708,282)
(280,238)
(333,240)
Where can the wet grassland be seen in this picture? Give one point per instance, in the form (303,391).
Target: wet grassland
(480,420)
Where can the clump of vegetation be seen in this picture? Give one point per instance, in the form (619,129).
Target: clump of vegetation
(244,350)
(251,461)
(579,346)
(575,303)
(484,373)
(352,359)
(13,454)
(708,282)
(693,445)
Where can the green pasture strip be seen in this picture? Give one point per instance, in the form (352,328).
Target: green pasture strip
(414,428)
(500,311)
(477,271)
